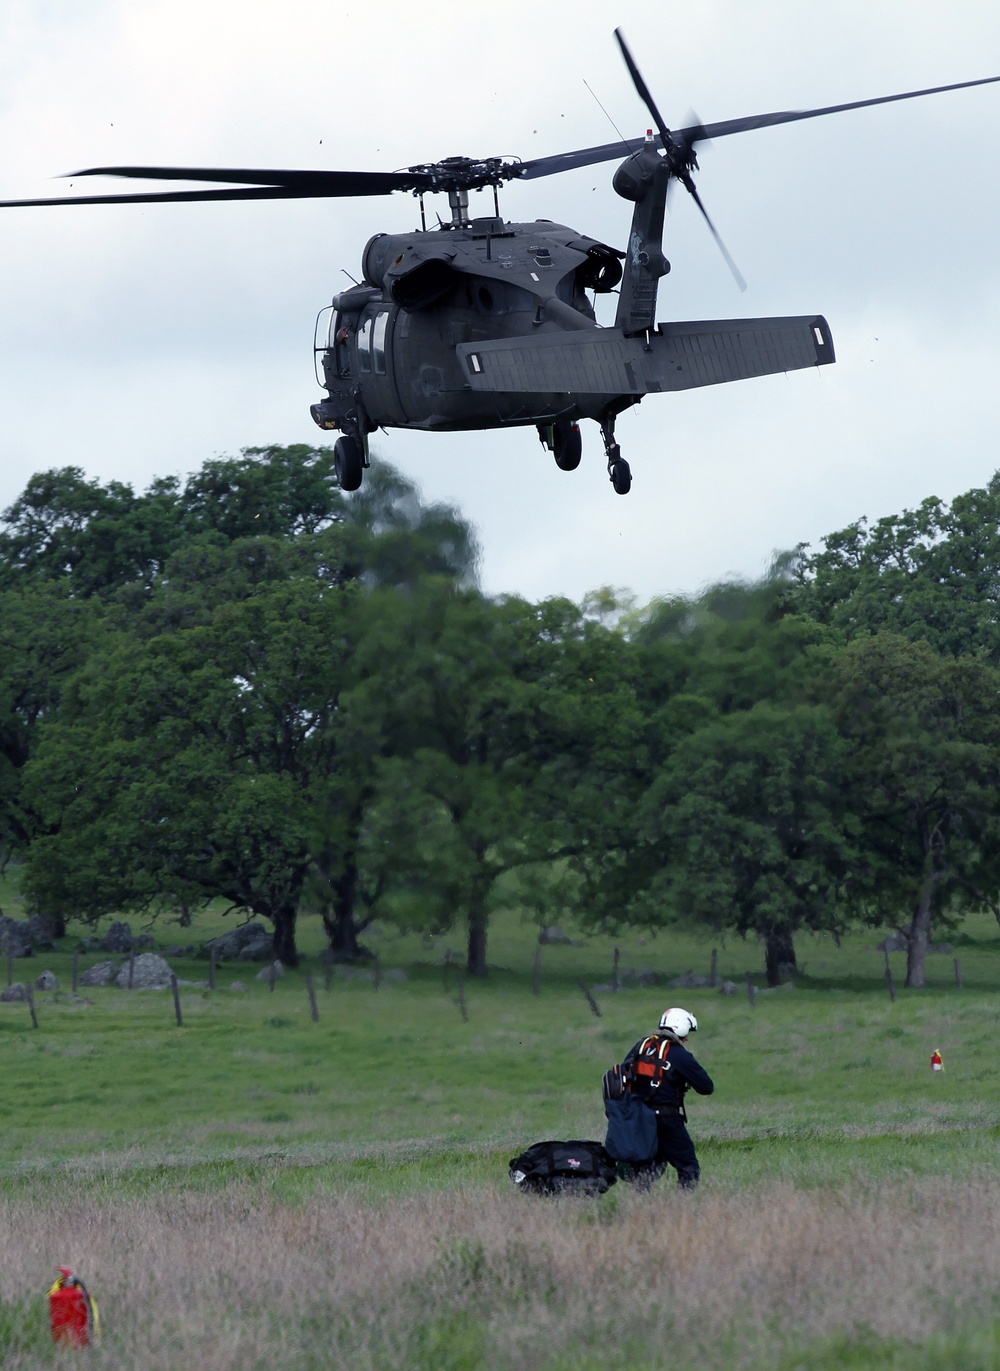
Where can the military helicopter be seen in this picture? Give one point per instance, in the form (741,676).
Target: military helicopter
(481,323)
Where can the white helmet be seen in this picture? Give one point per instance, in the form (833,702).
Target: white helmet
(680,1022)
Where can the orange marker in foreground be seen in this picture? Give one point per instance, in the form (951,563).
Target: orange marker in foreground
(937,1061)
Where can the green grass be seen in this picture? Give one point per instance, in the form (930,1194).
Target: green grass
(397,1065)
(393,1100)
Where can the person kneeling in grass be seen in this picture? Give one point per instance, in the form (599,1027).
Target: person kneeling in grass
(662,1070)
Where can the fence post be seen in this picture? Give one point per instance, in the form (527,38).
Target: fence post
(10,961)
(714,973)
(211,970)
(888,978)
(614,971)
(463,1007)
(536,973)
(30,990)
(751,992)
(312,997)
(958,974)
(177,1000)
(131,965)
(76,970)
(595,1008)
(271,977)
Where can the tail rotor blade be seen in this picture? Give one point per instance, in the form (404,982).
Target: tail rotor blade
(737,274)
(644,92)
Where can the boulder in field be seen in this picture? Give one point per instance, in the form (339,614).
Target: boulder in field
(274,972)
(103,973)
(47,981)
(118,938)
(554,937)
(247,942)
(44,929)
(149,972)
(13,993)
(15,938)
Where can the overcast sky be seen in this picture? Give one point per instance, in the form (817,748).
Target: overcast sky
(140,341)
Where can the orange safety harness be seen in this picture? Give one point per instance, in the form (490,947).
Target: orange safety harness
(650,1064)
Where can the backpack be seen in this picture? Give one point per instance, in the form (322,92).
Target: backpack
(650,1064)
(564,1168)
(647,1070)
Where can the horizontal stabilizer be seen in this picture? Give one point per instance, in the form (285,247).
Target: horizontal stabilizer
(676,357)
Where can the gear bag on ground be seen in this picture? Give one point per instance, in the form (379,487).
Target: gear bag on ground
(564,1168)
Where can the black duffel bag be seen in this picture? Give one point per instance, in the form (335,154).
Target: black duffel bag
(564,1168)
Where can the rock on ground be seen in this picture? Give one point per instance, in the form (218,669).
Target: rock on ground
(273,972)
(149,972)
(14,993)
(554,936)
(117,939)
(103,973)
(15,938)
(248,942)
(47,981)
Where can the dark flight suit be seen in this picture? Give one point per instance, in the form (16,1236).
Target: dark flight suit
(673,1142)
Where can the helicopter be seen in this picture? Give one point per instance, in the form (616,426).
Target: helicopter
(482,323)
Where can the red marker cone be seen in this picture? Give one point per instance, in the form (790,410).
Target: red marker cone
(937,1061)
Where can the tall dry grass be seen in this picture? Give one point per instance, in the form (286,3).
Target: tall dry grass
(235,1281)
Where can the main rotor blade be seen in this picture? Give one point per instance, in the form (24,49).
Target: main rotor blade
(245,185)
(763,121)
(307,182)
(163,197)
(643,89)
(607,152)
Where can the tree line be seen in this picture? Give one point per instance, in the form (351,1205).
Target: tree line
(246,686)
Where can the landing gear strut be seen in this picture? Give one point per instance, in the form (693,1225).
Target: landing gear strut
(619,471)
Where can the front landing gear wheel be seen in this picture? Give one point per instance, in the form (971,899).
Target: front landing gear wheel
(348,461)
(567,445)
(621,476)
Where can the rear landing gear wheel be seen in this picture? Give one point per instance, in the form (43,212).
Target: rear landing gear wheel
(348,461)
(621,476)
(567,444)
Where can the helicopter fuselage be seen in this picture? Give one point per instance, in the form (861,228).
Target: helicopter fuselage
(389,348)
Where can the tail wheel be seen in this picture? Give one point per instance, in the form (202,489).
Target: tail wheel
(621,476)
(567,444)
(348,461)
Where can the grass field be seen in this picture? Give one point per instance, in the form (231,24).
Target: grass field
(257,1190)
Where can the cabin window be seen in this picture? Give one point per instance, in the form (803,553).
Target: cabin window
(365,347)
(378,341)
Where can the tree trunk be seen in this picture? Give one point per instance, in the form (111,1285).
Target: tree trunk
(339,922)
(779,954)
(284,935)
(476,964)
(920,938)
